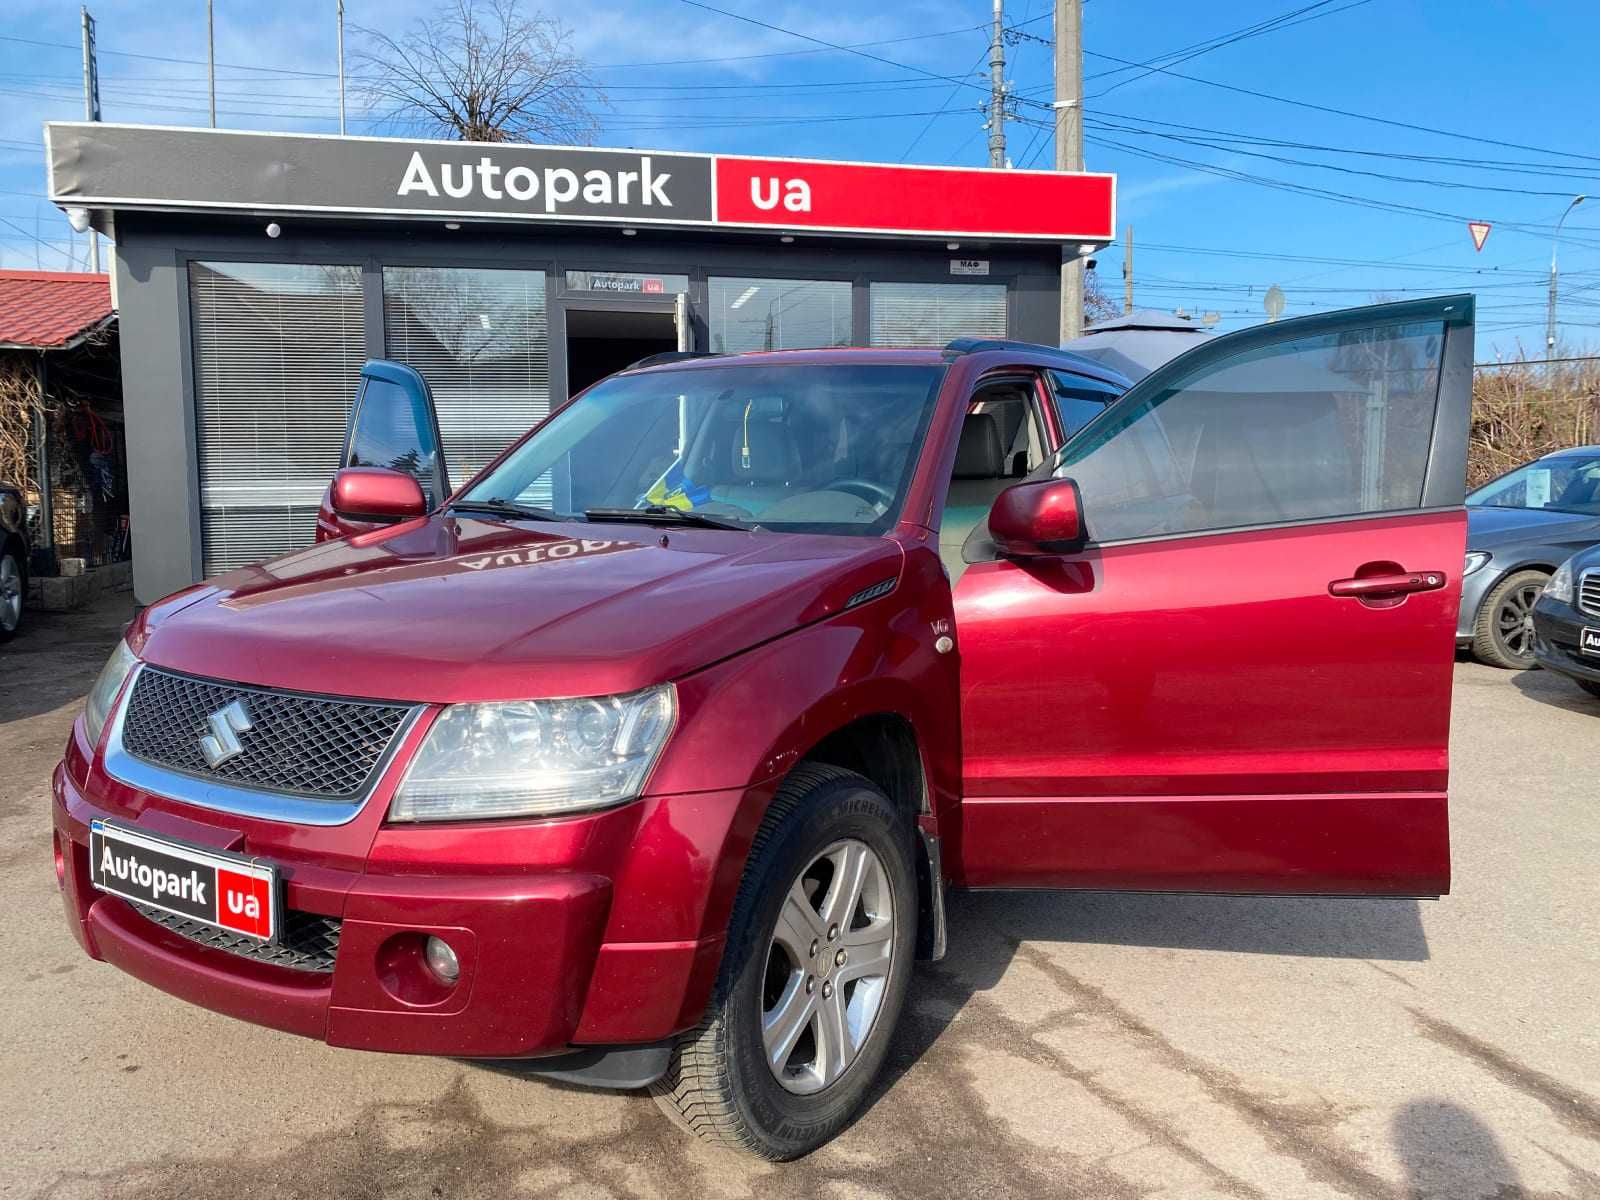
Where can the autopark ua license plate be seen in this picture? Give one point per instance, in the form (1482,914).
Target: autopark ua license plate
(1589,641)
(227,890)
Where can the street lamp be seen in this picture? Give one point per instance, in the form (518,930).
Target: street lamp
(1550,315)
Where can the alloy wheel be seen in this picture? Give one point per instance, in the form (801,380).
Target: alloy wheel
(1514,621)
(10,594)
(827,967)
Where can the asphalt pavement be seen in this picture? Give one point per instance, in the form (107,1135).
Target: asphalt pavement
(1069,1046)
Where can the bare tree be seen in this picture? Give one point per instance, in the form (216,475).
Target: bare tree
(482,71)
(1097,306)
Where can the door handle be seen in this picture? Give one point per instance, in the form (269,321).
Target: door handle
(1382,587)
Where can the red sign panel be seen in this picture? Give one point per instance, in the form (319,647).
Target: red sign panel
(790,194)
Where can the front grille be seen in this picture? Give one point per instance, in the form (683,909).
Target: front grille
(1589,593)
(305,745)
(309,942)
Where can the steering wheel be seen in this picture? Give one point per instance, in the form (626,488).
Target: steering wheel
(873,493)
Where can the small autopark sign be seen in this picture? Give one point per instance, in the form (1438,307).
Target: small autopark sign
(225,890)
(98,165)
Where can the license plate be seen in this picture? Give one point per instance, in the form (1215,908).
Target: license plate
(227,890)
(1589,641)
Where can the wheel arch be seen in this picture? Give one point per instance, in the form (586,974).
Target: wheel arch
(884,748)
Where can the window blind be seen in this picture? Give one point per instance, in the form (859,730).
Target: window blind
(931,314)
(481,338)
(278,352)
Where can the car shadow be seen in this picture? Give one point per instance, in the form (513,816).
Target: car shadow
(986,929)
(1556,690)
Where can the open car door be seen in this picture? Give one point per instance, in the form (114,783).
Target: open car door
(393,424)
(1241,682)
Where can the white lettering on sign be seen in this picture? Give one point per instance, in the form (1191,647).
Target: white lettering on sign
(242,904)
(969,266)
(154,880)
(796,194)
(561,186)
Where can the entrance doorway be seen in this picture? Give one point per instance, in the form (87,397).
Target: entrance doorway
(600,341)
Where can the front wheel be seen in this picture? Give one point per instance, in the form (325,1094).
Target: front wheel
(1504,634)
(814,975)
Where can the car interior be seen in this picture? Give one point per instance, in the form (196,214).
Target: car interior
(1001,441)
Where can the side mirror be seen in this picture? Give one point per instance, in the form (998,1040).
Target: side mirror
(1032,520)
(376,494)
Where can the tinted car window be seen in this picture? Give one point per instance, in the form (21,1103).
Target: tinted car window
(1570,483)
(1079,400)
(393,429)
(1329,425)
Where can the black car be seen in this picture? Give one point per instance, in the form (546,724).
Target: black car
(13,560)
(1566,621)
(1520,527)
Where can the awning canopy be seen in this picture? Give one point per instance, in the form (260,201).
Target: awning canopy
(1137,343)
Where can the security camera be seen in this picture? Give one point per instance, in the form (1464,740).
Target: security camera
(274,229)
(78,218)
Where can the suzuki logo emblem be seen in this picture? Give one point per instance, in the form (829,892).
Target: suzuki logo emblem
(226,724)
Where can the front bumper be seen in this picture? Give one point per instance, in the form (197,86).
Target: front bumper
(563,939)
(1474,588)
(1557,626)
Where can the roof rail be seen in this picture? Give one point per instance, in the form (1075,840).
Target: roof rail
(669,356)
(971,345)
(1078,362)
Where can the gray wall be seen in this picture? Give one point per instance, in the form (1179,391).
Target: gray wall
(153,253)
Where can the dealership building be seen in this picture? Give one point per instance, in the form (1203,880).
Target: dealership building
(255,272)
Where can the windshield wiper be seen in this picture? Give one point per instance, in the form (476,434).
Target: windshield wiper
(509,508)
(664,514)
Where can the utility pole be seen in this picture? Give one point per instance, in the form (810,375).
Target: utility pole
(1550,311)
(211,60)
(91,110)
(997,88)
(1069,148)
(1127,270)
(341,67)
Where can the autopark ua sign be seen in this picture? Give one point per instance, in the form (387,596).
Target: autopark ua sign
(127,166)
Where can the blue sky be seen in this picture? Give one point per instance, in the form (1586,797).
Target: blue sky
(1218,213)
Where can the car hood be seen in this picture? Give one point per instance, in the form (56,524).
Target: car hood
(451,609)
(1489,527)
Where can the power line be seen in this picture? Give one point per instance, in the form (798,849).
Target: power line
(877,58)
(1301,162)
(1256,30)
(954,92)
(1341,112)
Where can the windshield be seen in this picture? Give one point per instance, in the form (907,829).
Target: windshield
(801,448)
(1570,483)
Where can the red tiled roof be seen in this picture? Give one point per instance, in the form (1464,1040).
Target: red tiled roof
(48,309)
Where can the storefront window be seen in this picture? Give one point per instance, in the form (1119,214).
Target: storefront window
(277,359)
(778,314)
(931,314)
(482,341)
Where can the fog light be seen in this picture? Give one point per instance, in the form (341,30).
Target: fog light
(442,960)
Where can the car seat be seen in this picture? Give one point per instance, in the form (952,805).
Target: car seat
(980,474)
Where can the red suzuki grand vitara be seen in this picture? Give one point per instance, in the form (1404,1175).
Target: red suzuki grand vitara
(649,755)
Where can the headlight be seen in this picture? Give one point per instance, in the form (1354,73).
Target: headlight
(1475,560)
(97,708)
(1559,585)
(535,758)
